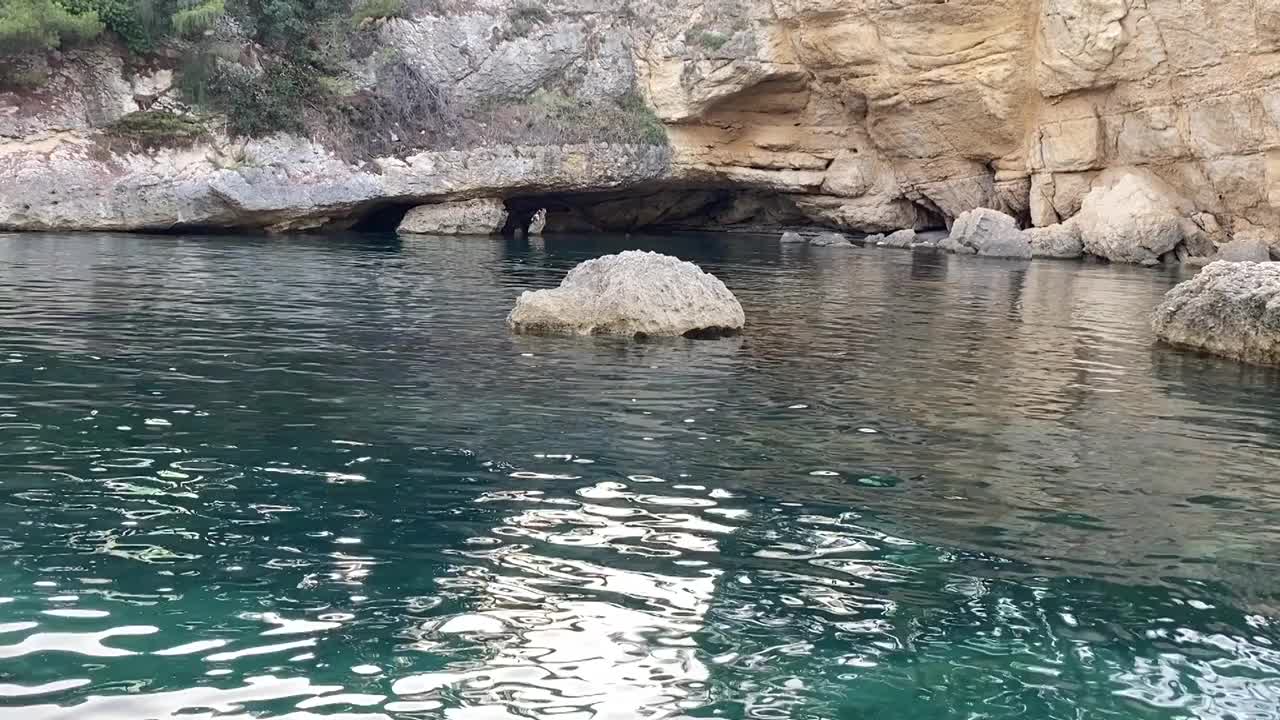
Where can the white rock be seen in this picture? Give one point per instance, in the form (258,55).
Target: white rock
(1060,241)
(830,239)
(633,293)
(899,239)
(987,232)
(791,238)
(485,216)
(538,222)
(1131,216)
(1230,309)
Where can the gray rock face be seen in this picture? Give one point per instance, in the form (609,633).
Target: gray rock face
(284,182)
(1245,250)
(830,239)
(873,240)
(632,293)
(1131,217)
(1061,241)
(987,232)
(792,238)
(485,216)
(1230,309)
(899,239)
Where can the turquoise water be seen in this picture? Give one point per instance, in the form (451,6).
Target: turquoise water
(316,478)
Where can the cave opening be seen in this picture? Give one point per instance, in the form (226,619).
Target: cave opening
(382,218)
(660,209)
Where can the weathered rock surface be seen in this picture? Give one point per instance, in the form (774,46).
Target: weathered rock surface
(538,223)
(1131,217)
(1060,241)
(900,239)
(830,239)
(484,216)
(792,238)
(987,232)
(1246,250)
(631,294)
(1229,308)
(863,117)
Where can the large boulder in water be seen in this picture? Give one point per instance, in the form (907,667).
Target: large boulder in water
(1230,308)
(1131,216)
(987,232)
(632,293)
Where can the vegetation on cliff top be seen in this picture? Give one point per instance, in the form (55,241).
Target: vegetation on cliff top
(43,25)
(274,66)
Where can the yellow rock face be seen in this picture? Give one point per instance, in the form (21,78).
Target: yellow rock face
(906,113)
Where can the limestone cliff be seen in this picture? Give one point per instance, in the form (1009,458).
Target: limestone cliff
(865,115)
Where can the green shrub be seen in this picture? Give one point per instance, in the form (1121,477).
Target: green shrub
(139,23)
(197,16)
(27,25)
(377,10)
(155,128)
(285,26)
(706,38)
(28,78)
(273,101)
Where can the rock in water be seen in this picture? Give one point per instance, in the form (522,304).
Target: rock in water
(791,238)
(538,222)
(1131,217)
(900,239)
(633,293)
(1056,241)
(485,216)
(987,232)
(830,239)
(1230,309)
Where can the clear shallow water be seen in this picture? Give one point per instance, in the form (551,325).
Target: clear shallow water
(316,478)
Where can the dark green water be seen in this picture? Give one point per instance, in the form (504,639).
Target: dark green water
(317,478)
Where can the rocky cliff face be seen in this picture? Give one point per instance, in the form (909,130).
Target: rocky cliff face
(865,115)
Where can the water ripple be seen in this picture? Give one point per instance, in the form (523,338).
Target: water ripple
(316,478)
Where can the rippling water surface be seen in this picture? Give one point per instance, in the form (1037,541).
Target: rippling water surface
(317,478)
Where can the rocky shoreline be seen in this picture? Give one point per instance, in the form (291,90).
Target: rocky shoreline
(1120,132)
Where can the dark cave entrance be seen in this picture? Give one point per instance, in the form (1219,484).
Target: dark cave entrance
(661,209)
(652,209)
(383,218)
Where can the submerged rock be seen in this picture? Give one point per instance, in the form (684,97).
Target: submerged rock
(1230,309)
(1131,217)
(987,232)
(633,293)
(1245,250)
(1060,241)
(791,238)
(485,216)
(830,239)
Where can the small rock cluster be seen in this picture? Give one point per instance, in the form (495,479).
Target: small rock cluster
(1129,217)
